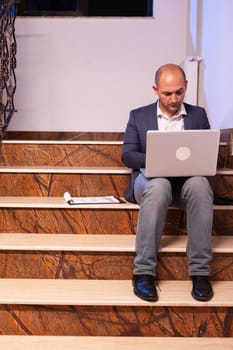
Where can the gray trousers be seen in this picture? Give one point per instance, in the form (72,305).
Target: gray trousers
(154,196)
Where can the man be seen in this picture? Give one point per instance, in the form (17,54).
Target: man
(156,194)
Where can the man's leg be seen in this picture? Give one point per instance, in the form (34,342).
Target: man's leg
(198,196)
(154,196)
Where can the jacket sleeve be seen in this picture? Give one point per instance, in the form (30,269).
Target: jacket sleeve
(203,119)
(132,155)
(196,118)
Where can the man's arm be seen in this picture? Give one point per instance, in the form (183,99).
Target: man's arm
(196,118)
(206,124)
(132,156)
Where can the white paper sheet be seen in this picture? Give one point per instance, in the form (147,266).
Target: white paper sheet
(90,200)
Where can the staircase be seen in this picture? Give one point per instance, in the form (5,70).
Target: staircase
(65,271)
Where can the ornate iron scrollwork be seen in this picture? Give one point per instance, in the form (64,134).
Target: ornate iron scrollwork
(7,63)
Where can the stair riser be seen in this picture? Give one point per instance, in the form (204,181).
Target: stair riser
(99,221)
(60,155)
(33,154)
(222,185)
(73,220)
(78,265)
(225,156)
(41,184)
(56,184)
(223,222)
(116,321)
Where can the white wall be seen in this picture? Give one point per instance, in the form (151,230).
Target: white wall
(215,45)
(85,74)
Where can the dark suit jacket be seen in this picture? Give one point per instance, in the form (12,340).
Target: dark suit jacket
(143,119)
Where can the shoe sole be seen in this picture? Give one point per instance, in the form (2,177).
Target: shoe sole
(155,298)
(202,298)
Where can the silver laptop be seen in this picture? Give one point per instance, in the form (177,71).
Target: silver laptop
(181,153)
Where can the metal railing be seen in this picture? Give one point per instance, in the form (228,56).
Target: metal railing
(7,63)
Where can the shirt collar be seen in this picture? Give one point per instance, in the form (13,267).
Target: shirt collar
(180,112)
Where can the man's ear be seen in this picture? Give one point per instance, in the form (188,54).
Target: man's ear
(155,88)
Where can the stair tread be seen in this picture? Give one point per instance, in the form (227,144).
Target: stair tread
(99,243)
(69,142)
(106,293)
(70,170)
(25,342)
(59,202)
(73,142)
(81,170)
(55,202)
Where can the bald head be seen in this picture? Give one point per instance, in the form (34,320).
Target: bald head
(169,69)
(170,87)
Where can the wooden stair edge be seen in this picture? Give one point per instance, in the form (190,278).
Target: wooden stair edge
(76,142)
(122,170)
(43,342)
(59,203)
(106,293)
(70,142)
(106,243)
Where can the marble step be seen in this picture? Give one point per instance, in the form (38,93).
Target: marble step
(83,181)
(100,243)
(120,170)
(61,153)
(80,182)
(59,202)
(81,256)
(76,153)
(106,293)
(144,320)
(21,214)
(13,342)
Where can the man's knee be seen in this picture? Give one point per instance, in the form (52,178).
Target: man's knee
(160,188)
(198,186)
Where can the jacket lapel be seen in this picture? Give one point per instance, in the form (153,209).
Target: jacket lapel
(152,118)
(187,118)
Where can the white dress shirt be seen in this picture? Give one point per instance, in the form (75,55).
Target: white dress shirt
(176,122)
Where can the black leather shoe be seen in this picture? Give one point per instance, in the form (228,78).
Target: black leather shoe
(144,287)
(202,289)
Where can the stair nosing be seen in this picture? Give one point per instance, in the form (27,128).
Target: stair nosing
(82,170)
(38,342)
(64,170)
(67,142)
(106,243)
(76,142)
(25,202)
(106,293)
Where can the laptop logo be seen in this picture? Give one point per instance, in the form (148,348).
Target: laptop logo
(183,153)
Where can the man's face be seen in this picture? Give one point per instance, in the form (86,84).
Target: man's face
(171,90)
